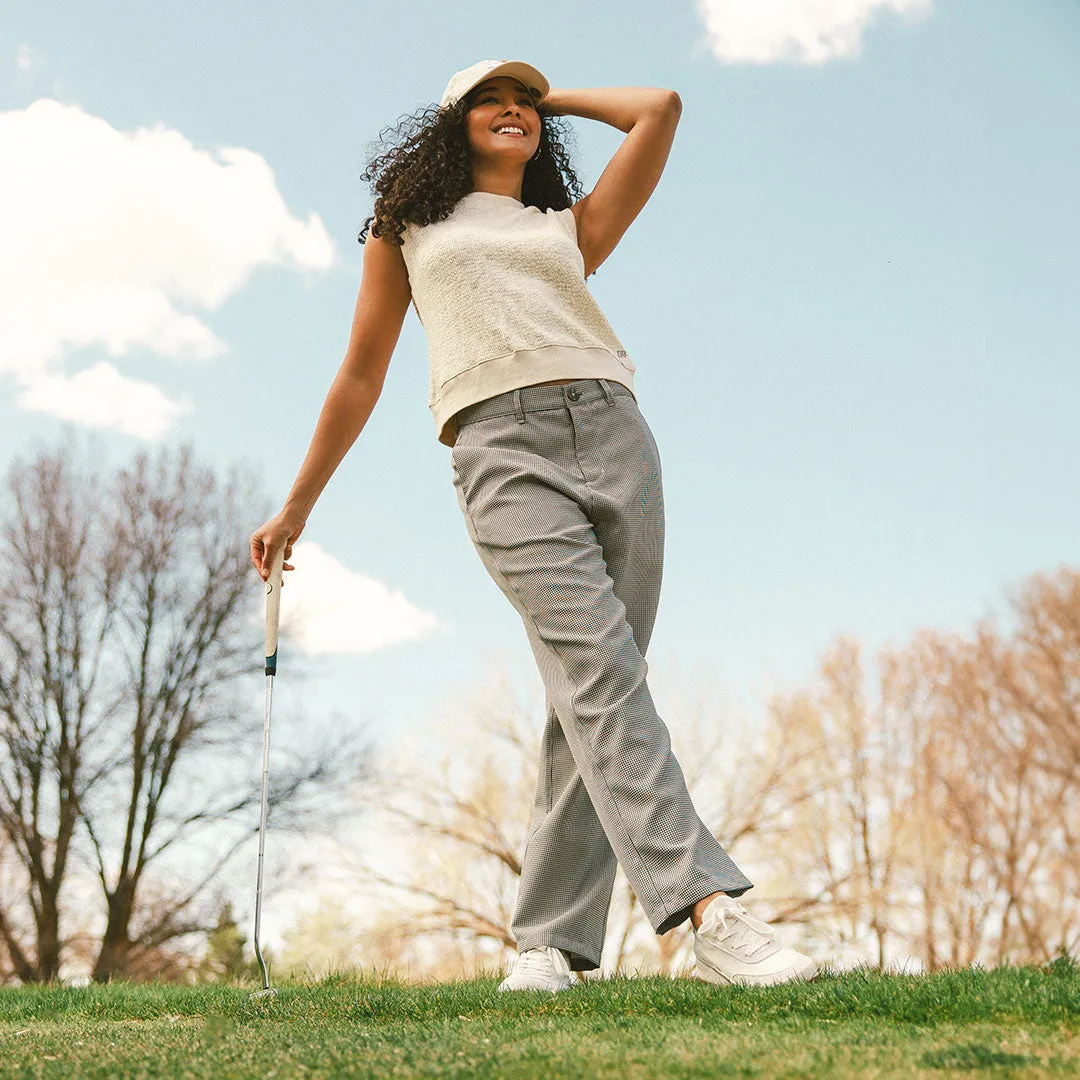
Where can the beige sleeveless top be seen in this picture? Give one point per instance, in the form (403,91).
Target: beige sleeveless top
(499,288)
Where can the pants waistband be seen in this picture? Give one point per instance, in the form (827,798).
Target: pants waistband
(539,398)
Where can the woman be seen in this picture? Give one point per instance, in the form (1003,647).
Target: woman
(558,479)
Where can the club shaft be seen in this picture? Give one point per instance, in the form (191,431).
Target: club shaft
(273,608)
(262,825)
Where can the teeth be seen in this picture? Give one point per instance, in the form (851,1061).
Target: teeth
(509,131)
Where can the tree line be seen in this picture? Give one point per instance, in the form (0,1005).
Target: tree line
(921,802)
(128,623)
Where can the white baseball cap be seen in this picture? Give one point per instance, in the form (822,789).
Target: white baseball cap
(461,82)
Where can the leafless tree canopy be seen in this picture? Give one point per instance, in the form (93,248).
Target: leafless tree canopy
(126,604)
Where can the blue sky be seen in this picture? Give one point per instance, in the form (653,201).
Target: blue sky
(850,301)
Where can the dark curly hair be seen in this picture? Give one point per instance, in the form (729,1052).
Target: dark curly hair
(422,179)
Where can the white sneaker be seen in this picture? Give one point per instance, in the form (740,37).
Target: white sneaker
(543,968)
(732,947)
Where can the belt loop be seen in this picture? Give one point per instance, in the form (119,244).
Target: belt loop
(518,406)
(608,396)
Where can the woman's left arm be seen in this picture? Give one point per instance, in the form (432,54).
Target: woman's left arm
(619,106)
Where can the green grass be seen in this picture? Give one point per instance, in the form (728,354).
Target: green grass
(1006,1022)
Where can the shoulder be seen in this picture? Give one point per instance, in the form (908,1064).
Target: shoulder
(569,218)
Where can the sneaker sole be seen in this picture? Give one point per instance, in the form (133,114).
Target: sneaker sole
(534,989)
(795,973)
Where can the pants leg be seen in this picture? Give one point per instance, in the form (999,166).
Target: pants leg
(560,489)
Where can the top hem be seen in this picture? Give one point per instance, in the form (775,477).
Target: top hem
(525,368)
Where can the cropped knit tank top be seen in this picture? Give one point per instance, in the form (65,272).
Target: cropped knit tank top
(499,288)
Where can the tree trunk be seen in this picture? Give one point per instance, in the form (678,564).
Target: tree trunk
(115,944)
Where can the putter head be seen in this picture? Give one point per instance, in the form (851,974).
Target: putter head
(270,992)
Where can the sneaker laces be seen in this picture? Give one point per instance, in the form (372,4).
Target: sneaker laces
(738,929)
(535,961)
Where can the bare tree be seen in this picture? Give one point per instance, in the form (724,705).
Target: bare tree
(1019,700)
(126,606)
(57,609)
(937,849)
(462,819)
(947,801)
(1040,676)
(824,825)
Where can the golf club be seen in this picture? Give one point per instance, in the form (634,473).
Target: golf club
(273,611)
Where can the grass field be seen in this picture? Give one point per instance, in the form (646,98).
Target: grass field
(1006,1022)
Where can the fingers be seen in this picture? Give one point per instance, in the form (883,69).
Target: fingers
(257,552)
(264,549)
(262,555)
(266,559)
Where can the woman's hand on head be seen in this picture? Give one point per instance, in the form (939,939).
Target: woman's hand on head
(266,542)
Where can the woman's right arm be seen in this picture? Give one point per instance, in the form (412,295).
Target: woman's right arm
(380,312)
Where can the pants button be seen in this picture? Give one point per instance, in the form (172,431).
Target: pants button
(573,393)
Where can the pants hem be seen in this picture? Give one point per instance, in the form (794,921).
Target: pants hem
(679,917)
(576,956)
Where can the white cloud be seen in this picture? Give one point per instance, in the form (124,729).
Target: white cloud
(327,608)
(118,240)
(806,31)
(101,397)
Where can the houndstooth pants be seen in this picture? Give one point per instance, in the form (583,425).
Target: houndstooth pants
(560,488)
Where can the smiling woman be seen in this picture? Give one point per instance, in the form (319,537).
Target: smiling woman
(560,490)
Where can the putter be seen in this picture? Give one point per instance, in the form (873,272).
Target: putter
(273,611)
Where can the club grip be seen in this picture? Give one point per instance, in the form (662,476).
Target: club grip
(273,610)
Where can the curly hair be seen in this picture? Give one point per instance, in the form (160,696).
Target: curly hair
(422,179)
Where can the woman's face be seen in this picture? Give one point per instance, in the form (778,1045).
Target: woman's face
(500,102)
